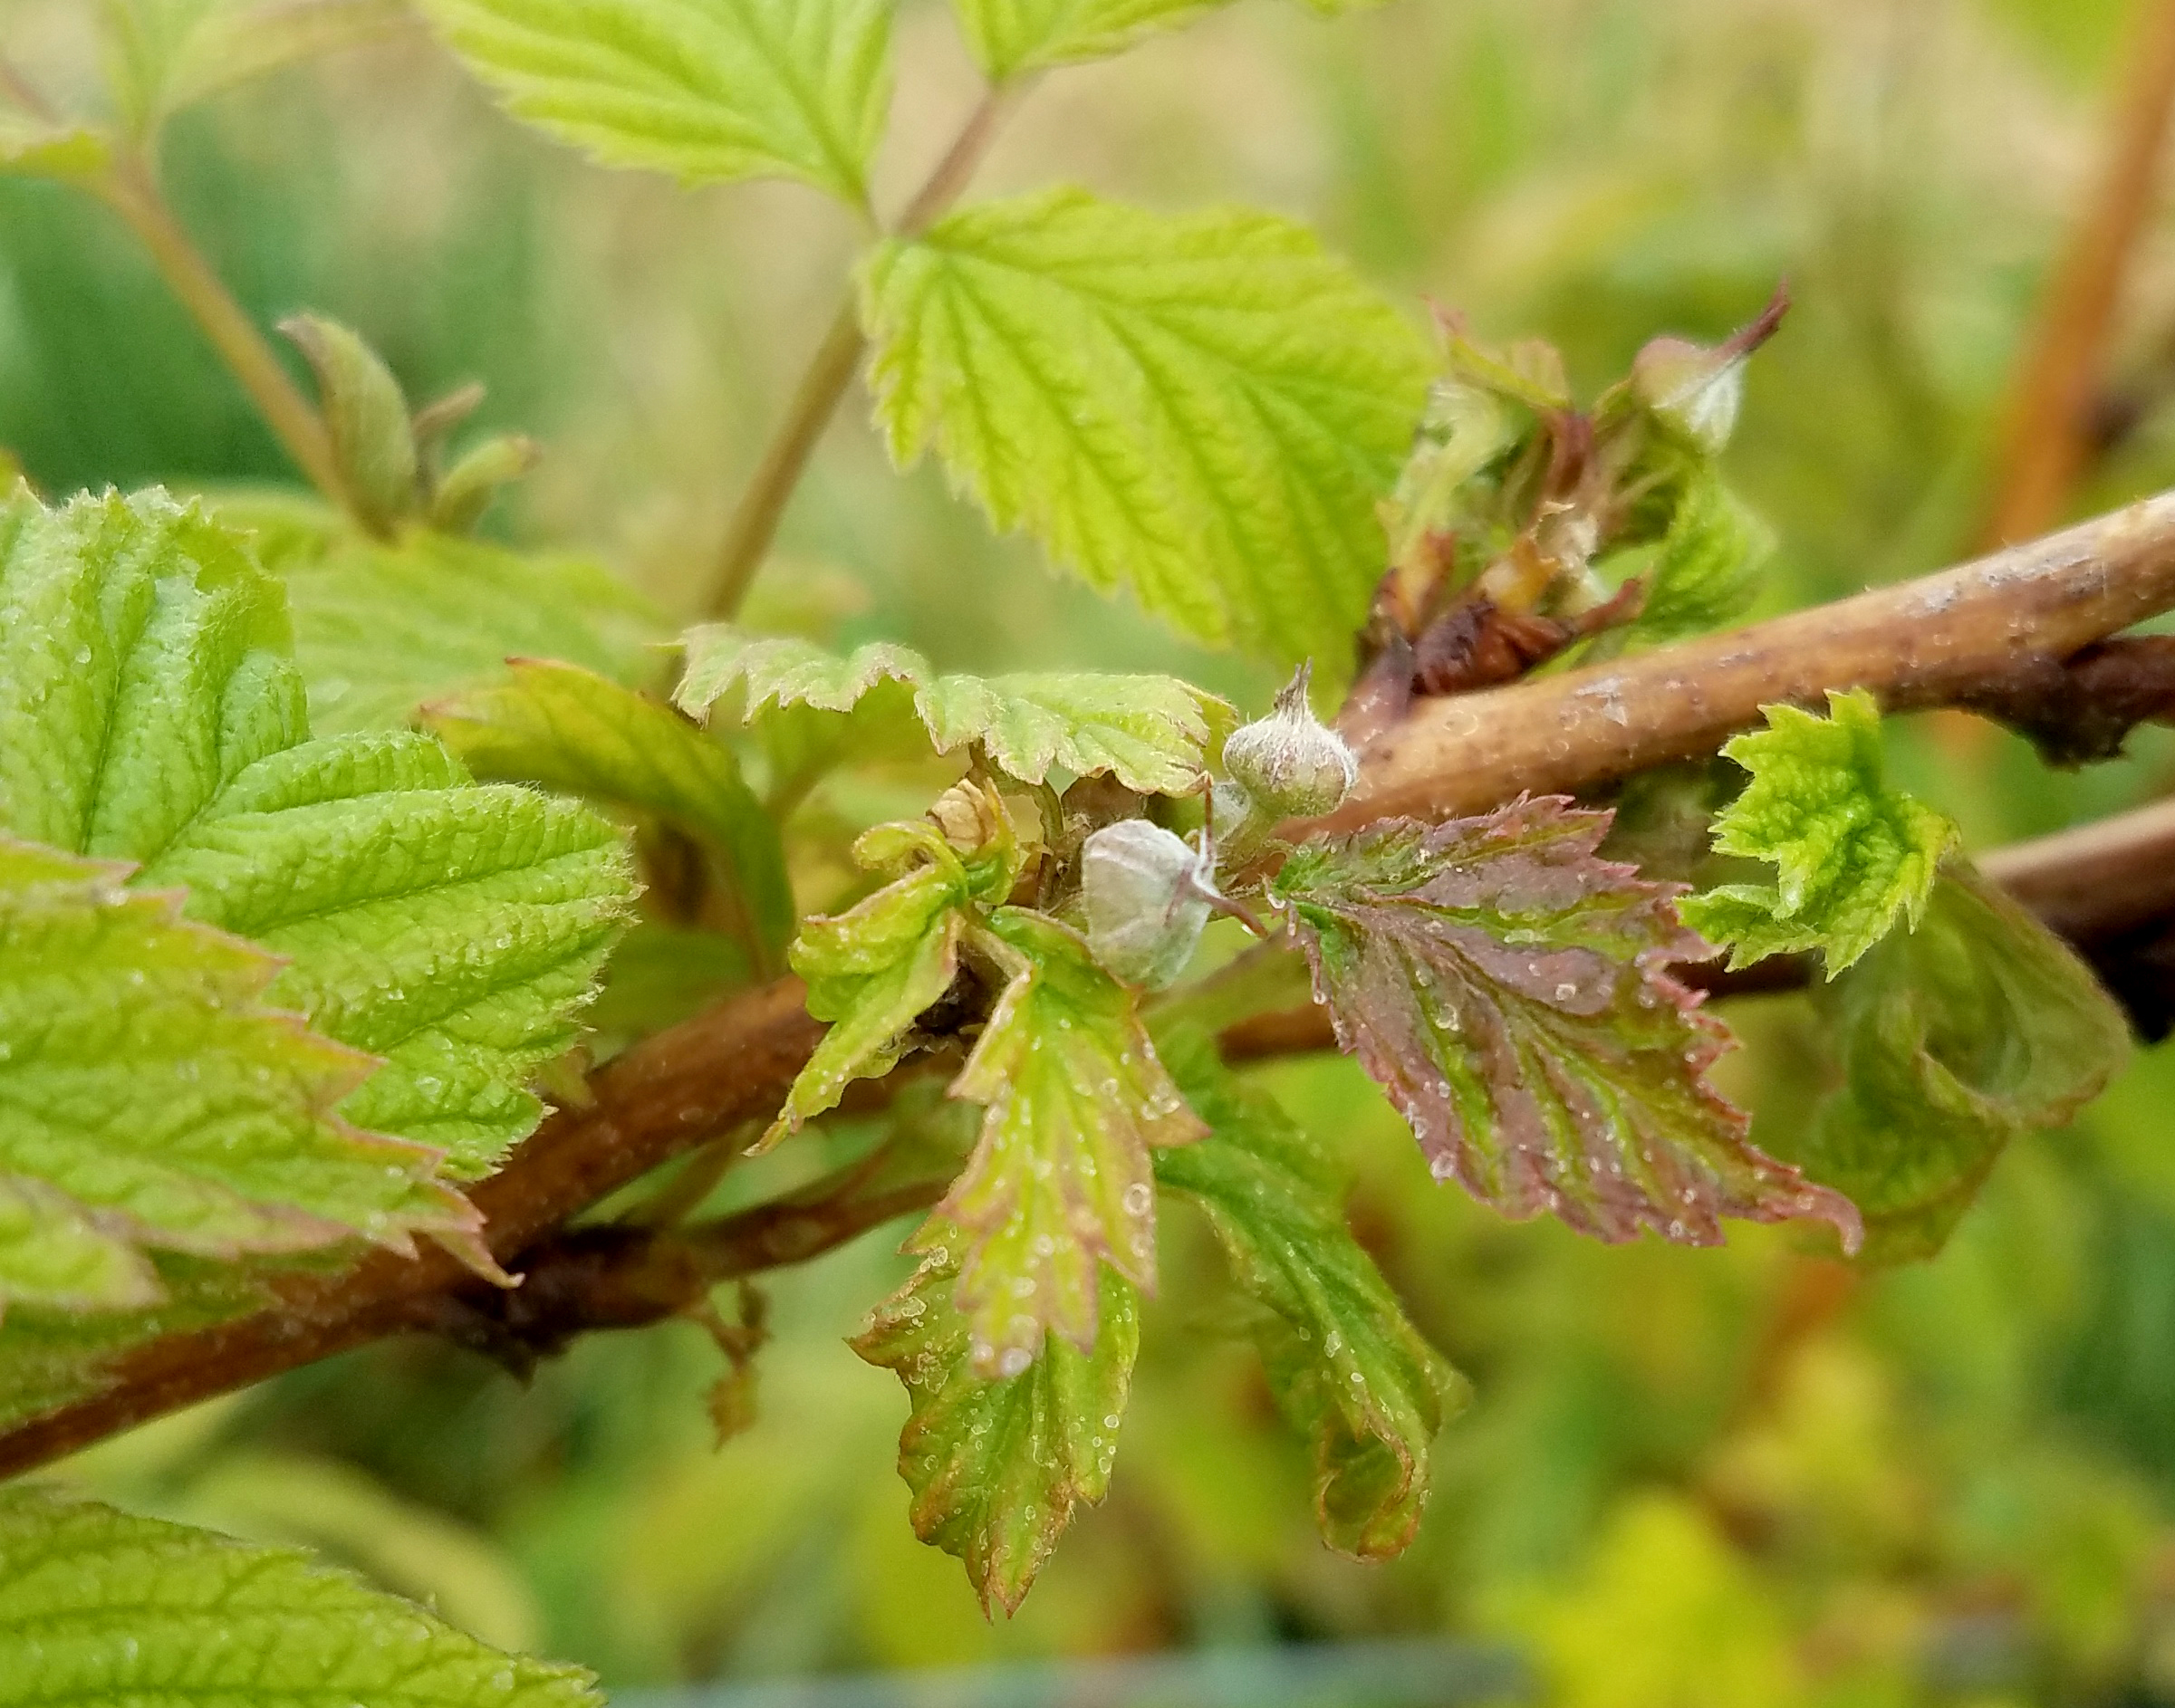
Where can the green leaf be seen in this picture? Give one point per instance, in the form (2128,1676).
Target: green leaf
(149,1098)
(32,148)
(1011,36)
(1976,1028)
(567,729)
(1202,410)
(1510,991)
(705,89)
(998,1467)
(99,1607)
(366,415)
(172,54)
(378,629)
(1852,856)
(1349,1372)
(453,928)
(1705,571)
(872,970)
(1151,733)
(1060,1182)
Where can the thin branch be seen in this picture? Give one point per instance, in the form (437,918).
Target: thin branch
(1932,642)
(2046,422)
(1940,638)
(761,508)
(755,524)
(131,191)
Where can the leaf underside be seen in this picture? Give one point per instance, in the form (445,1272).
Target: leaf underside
(1151,733)
(1200,409)
(99,1607)
(998,1466)
(1977,1028)
(1510,991)
(1350,1373)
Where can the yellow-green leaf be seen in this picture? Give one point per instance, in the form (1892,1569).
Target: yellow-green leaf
(1201,410)
(705,90)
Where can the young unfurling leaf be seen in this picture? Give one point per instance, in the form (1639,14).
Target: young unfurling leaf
(875,969)
(1703,572)
(1974,1029)
(571,731)
(99,1607)
(366,414)
(1511,993)
(1151,733)
(1060,1184)
(1202,410)
(1349,1372)
(707,91)
(1852,856)
(453,928)
(154,1101)
(998,1465)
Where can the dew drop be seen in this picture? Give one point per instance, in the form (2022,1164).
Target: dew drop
(1138,1199)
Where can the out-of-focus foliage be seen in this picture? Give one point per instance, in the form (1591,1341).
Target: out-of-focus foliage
(1732,1475)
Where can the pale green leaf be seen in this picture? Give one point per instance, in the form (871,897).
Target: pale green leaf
(1974,1029)
(1059,1185)
(1854,856)
(1705,569)
(1010,36)
(453,928)
(1151,733)
(378,629)
(567,729)
(1511,993)
(237,40)
(31,148)
(98,1606)
(1349,1372)
(149,1098)
(998,1467)
(705,90)
(873,970)
(1201,409)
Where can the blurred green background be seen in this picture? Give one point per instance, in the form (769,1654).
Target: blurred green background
(1720,1477)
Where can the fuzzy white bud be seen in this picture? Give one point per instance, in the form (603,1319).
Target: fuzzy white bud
(1145,892)
(1290,761)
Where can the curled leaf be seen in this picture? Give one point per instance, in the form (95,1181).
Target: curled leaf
(1852,856)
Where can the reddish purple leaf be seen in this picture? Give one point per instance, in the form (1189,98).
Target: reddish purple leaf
(1511,993)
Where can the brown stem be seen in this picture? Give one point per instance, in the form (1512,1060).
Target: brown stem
(734,1062)
(131,191)
(2046,423)
(755,524)
(1930,642)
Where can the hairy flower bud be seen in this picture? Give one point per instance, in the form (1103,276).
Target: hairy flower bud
(1146,895)
(1290,763)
